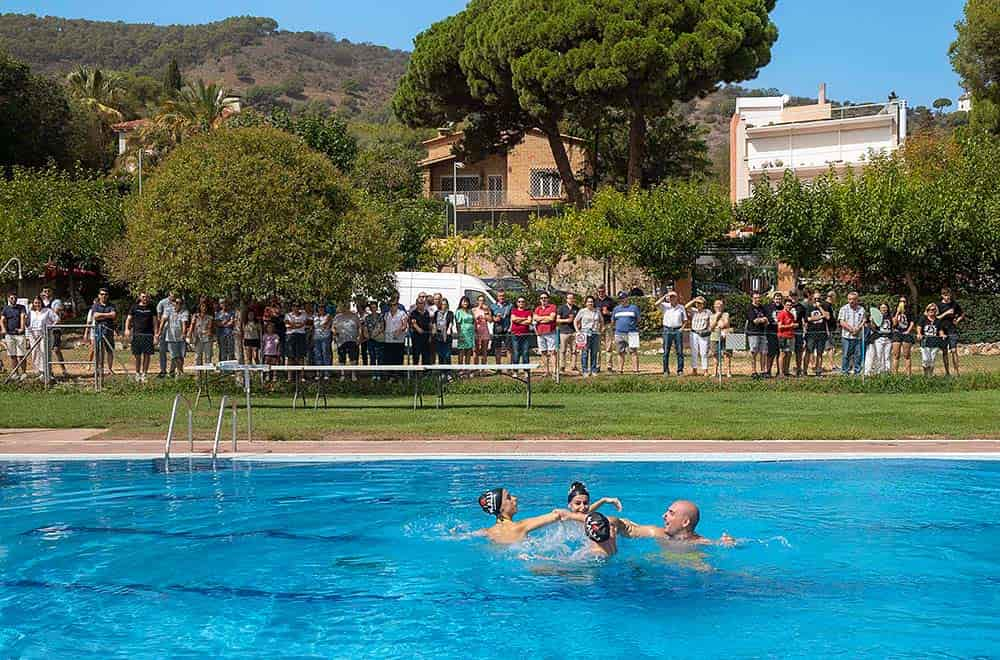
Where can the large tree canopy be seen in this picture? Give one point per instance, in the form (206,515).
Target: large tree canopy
(253,211)
(975,54)
(39,123)
(51,215)
(506,65)
(663,230)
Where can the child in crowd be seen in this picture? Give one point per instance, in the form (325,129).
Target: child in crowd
(271,347)
(251,338)
(930,334)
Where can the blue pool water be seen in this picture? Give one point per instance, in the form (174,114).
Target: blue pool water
(885,558)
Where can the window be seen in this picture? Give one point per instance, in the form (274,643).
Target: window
(546,183)
(465,184)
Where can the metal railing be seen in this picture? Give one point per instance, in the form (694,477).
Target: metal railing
(218,424)
(170,427)
(473,199)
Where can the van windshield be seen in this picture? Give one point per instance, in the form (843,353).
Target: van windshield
(474,294)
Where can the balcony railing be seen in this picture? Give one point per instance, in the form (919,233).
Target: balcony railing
(473,199)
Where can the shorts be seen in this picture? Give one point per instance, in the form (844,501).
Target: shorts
(177,349)
(927,356)
(621,343)
(501,343)
(295,345)
(547,343)
(772,344)
(901,338)
(800,342)
(757,344)
(56,338)
(951,341)
(786,344)
(347,352)
(567,341)
(17,345)
(251,343)
(107,337)
(142,345)
(816,343)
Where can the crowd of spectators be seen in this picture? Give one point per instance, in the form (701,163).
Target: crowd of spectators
(785,336)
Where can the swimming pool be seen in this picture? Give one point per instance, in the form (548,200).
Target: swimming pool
(870,558)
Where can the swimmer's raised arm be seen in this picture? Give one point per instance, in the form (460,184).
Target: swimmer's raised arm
(633,530)
(530,524)
(606,500)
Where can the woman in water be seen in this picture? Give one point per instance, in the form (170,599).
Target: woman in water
(578,500)
(500,503)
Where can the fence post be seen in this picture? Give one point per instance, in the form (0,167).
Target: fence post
(558,355)
(46,356)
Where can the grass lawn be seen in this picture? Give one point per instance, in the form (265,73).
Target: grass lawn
(723,414)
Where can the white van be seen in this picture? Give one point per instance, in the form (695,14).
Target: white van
(450,285)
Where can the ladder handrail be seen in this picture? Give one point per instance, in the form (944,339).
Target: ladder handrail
(218,424)
(170,426)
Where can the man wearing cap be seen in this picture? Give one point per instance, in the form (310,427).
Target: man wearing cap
(606,306)
(674,317)
(626,322)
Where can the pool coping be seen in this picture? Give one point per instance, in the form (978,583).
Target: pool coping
(581,458)
(90,445)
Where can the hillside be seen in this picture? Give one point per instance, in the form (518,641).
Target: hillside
(248,54)
(272,67)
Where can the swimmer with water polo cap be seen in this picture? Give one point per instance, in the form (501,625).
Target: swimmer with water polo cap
(578,499)
(603,534)
(679,523)
(498,502)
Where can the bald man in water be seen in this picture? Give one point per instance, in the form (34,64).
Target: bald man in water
(679,523)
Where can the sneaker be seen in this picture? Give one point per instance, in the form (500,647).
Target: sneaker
(161,375)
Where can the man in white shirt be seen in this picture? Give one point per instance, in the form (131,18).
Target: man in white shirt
(852,320)
(165,305)
(396,326)
(49,301)
(674,317)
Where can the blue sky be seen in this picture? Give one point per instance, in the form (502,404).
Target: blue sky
(861,49)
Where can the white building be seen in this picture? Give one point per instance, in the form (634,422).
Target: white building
(767,137)
(965,102)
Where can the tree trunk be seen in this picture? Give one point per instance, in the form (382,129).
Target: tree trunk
(572,186)
(914,292)
(636,147)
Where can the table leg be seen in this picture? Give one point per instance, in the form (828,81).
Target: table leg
(441,376)
(295,395)
(416,389)
(529,389)
(248,382)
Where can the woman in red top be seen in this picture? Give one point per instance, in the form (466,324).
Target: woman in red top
(520,330)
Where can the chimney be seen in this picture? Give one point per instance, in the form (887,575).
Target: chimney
(822,93)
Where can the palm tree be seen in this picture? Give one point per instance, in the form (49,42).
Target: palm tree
(97,90)
(197,108)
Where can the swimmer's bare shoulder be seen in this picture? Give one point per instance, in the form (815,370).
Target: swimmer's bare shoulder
(512,532)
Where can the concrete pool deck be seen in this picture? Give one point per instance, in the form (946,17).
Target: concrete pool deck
(91,443)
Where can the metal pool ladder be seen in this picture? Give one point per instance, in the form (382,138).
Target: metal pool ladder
(218,424)
(170,428)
